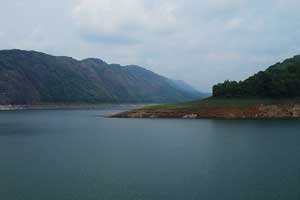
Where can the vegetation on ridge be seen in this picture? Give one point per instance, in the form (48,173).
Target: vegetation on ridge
(28,77)
(279,84)
(279,81)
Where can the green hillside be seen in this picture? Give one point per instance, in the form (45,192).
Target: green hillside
(28,77)
(279,81)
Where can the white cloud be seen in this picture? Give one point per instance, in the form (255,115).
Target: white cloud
(200,41)
(123,16)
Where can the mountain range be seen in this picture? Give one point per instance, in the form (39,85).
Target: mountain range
(30,77)
(272,93)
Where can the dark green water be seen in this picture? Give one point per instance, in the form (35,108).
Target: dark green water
(79,155)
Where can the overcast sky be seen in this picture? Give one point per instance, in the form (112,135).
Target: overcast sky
(200,41)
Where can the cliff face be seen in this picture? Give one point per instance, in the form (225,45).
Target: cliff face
(253,112)
(28,77)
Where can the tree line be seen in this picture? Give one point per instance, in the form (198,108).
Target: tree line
(281,80)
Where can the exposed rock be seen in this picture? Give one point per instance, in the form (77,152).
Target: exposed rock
(254,112)
(190,116)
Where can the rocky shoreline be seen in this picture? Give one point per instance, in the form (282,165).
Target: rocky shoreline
(252,112)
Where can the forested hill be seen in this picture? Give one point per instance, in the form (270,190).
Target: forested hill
(279,81)
(29,77)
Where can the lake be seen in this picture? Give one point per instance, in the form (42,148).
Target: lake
(81,155)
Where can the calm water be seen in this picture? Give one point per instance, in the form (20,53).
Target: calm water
(79,155)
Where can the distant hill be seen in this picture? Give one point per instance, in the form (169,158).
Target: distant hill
(273,93)
(279,81)
(29,77)
(186,87)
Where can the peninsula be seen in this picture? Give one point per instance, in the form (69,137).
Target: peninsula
(273,93)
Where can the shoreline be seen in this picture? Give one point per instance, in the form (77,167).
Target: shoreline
(121,106)
(257,111)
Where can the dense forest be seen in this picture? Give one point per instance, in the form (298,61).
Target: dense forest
(281,80)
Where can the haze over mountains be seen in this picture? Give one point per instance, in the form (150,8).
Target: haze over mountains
(273,93)
(29,77)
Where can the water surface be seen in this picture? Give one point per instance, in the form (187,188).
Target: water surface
(80,155)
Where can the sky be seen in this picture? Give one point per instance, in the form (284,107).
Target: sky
(202,42)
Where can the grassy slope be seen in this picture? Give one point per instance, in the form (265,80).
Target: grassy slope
(216,103)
